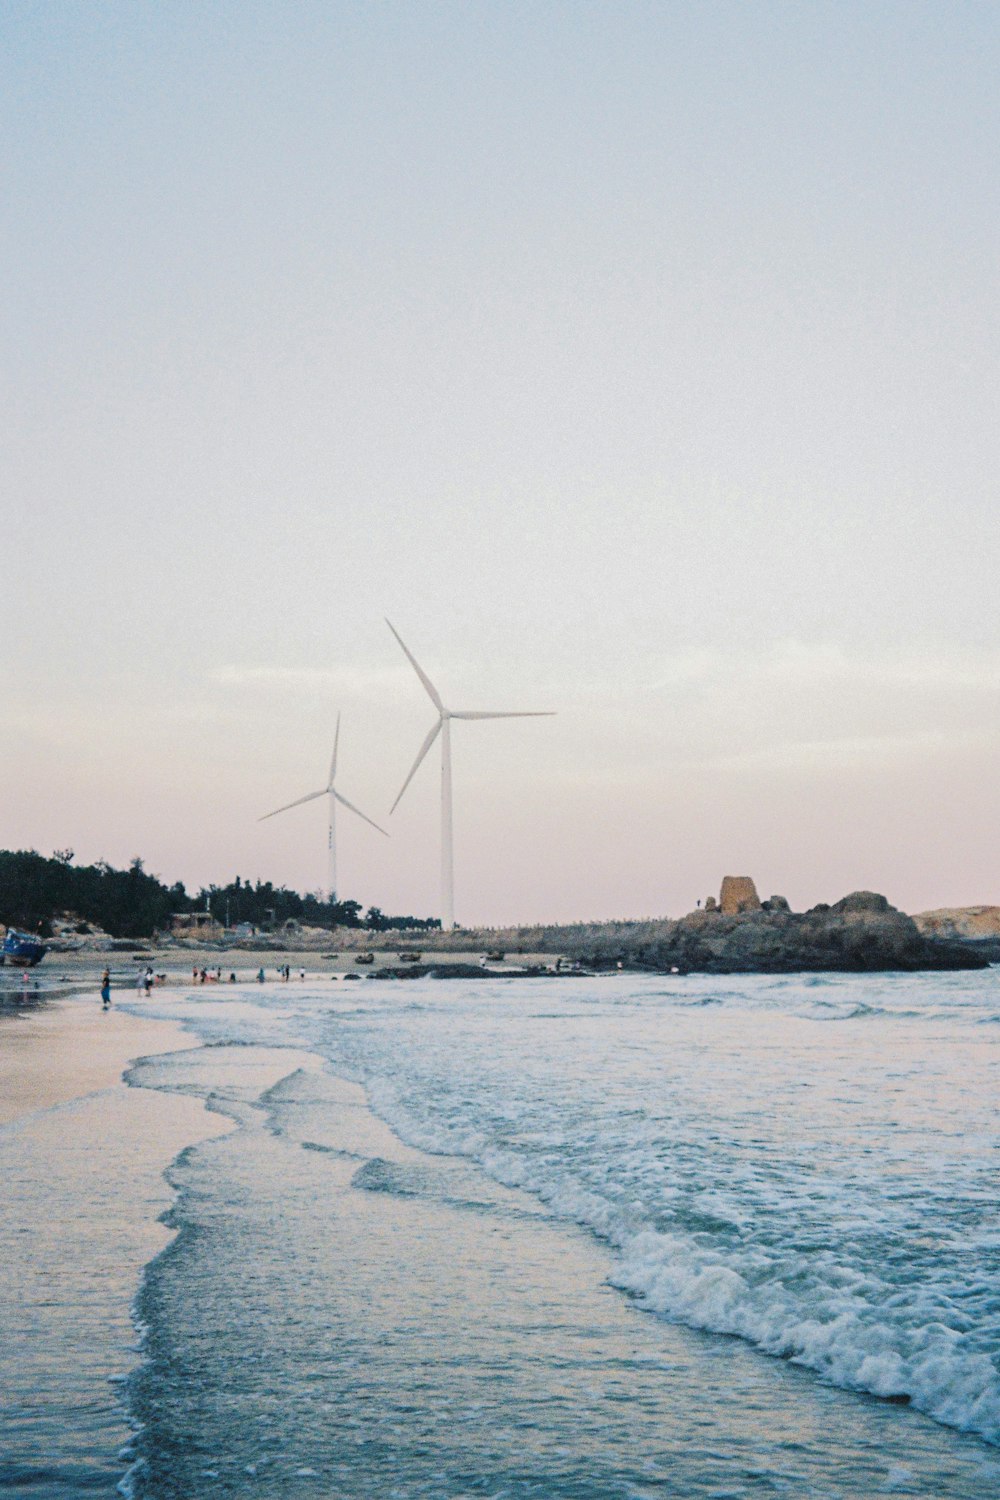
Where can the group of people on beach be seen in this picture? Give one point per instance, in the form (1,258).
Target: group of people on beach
(146,980)
(209,976)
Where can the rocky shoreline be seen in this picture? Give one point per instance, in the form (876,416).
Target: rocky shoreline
(736,933)
(861,933)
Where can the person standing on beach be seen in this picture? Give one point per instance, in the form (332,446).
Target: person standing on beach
(106,990)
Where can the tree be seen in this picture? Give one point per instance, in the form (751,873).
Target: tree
(133,903)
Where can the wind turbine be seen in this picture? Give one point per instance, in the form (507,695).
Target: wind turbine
(334,796)
(443,728)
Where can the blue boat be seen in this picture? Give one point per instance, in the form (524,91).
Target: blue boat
(21,948)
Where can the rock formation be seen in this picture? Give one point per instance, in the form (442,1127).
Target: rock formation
(858,934)
(977,926)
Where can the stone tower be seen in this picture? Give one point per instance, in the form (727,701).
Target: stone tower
(738,894)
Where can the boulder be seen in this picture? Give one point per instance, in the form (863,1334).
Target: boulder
(862,901)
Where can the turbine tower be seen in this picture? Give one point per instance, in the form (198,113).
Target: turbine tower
(329,791)
(443,728)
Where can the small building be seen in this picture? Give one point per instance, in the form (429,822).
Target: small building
(198,925)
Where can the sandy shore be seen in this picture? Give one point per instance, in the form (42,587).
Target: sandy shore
(82,1160)
(67,1049)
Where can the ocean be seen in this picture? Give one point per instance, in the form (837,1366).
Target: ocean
(580,1237)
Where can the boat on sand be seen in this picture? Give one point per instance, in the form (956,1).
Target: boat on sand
(21,949)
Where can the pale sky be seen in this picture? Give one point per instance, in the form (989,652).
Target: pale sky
(639,361)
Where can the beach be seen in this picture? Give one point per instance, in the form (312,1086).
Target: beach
(84,1191)
(65,1051)
(83,1163)
(499,1239)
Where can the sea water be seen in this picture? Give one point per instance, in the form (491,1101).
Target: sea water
(589,1237)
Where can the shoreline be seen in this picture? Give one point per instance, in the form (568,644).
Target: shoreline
(84,1157)
(359,1239)
(704,946)
(738,934)
(394,1238)
(63,1049)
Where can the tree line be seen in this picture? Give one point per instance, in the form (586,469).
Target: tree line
(133,903)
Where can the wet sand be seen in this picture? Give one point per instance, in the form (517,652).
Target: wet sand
(82,1158)
(63,1050)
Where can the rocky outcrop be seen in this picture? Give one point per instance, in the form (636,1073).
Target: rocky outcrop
(976,926)
(72,935)
(861,933)
(455,971)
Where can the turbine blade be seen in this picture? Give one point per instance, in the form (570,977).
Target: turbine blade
(432,691)
(336,742)
(545,713)
(297,803)
(360,814)
(428,742)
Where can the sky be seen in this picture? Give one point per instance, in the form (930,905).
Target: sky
(638,361)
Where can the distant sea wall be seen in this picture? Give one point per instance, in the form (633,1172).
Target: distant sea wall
(509,940)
